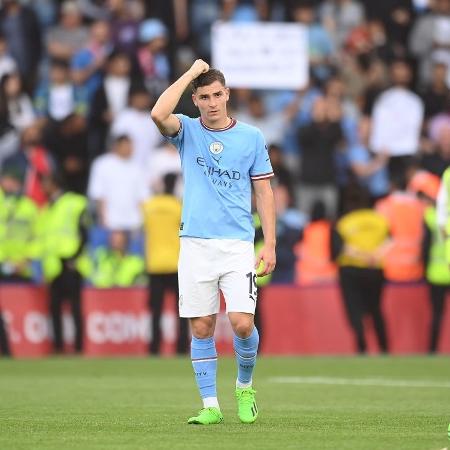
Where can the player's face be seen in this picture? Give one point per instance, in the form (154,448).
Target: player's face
(212,101)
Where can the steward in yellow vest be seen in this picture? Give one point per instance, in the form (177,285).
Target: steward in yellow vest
(437,273)
(113,267)
(443,211)
(61,237)
(18,217)
(359,242)
(162,217)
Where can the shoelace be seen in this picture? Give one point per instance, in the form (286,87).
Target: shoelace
(246,397)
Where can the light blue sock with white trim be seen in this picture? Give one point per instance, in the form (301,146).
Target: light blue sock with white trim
(204,362)
(246,351)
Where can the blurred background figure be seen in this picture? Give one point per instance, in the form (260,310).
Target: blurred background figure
(319,141)
(437,268)
(397,119)
(15,102)
(61,237)
(109,100)
(20,25)
(133,121)
(18,216)
(404,214)
(69,35)
(162,217)
(359,242)
(114,265)
(117,187)
(152,57)
(315,263)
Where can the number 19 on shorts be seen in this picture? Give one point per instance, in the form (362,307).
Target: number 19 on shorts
(252,287)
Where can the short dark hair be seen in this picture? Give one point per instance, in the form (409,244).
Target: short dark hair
(207,78)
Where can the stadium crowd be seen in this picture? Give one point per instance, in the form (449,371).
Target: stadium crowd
(370,133)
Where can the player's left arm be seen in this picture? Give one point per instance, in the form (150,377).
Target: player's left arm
(265,205)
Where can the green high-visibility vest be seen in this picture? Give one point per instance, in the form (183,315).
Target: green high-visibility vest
(438,269)
(18,216)
(109,269)
(58,232)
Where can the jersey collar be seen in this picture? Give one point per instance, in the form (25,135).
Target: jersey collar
(231,125)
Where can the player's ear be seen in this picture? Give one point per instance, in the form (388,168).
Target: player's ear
(227,93)
(194,99)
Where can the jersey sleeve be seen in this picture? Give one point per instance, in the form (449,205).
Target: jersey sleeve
(261,167)
(177,140)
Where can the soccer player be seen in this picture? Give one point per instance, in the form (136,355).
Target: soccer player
(221,159)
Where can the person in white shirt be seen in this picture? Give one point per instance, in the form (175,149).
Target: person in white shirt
(164,160)
(118,187)
(16,102)
(397,119)
(134,122)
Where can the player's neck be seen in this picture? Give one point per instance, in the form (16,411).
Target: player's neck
(217,124)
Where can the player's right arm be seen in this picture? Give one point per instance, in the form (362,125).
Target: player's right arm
(162,112)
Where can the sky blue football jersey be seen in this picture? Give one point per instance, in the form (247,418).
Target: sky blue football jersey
(218,166)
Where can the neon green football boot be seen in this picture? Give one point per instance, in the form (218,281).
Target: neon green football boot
(207,416)
(247,409)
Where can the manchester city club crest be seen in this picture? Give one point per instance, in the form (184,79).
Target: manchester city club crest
(216,147)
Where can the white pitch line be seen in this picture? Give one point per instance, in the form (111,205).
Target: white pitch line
(381,382)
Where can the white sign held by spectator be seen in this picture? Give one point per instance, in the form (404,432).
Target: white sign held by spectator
(261,56)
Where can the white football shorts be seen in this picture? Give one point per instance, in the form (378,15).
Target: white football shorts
(207,265)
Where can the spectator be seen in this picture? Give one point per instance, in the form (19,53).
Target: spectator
(57,98)
(61,236)
(430,38)
(282,176)
(7,63)
(273,126)
(134,122)
(321,47)
(359,242)
(31,163)
(109,100)
(339,17)
(162,221)
(15,102)
(87,63)
(370,169)
(397,119)
(438,159)
(290,225)
(435,95)
(152,58)
(113,265)
(117,186)
(69,35)
(319,141)
(20,26)
(124,26)
(163,161)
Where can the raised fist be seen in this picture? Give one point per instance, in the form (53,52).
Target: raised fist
(198,68)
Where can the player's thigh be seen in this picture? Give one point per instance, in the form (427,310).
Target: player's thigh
(198,279)
(238,281)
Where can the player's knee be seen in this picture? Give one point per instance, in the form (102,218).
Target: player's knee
(202,329)
(243,328)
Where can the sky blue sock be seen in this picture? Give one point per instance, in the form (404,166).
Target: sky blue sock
(204,362)
(246,350)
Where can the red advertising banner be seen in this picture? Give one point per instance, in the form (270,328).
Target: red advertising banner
(296,320)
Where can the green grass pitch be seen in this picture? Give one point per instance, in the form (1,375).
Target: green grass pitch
(305,403)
